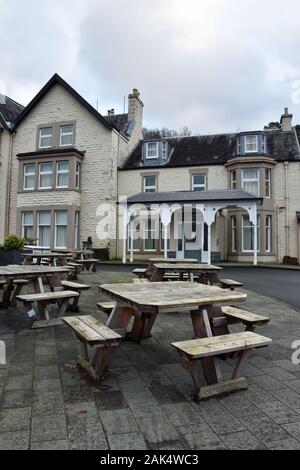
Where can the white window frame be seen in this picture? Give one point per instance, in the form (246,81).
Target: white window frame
(138,230)
(268,234)
(238,145)
(149,186)
(38,227)
(268,178)
(152,157)
(27,225)
(233,181)
(256,143)
(252,228)
(60,225)
(263,144)
(78,175)
(162,237)
(251,180)
(233,233)
(199,185)
(25,174)
(164,150)
(61,172)
(45,136)
(76,229)
(146,231)
(61,134)
(45,173)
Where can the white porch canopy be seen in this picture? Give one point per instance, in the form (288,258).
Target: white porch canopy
(208,202)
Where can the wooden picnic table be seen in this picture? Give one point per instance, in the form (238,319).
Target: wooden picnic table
(33,273)
(160,269)
(53,256)
(146,301)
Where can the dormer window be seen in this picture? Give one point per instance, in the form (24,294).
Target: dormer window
(251,143)
(151,150)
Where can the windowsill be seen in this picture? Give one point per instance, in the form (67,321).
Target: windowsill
(26,191)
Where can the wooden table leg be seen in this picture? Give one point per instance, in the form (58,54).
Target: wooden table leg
(119,319)
(137,331)
(8,289)
(157,276)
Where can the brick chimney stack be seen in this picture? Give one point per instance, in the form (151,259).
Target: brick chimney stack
(110,112)
(135,114)
(286,120)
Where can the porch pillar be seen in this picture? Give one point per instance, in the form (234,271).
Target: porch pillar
(125,224)
(131,242)
(165,218)
(208,243)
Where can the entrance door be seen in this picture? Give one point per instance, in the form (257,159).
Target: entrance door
(180,249)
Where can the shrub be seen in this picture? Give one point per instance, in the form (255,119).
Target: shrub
(12,242)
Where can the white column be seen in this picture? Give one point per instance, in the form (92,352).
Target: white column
(255,245)
(166,241)
(131,242)
(165,218)
(125,223)
(209,243)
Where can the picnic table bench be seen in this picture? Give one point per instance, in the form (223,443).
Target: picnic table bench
(76,287)
(91,332)
(89,264)
(46,298)
(230,284)
(159,270)
(198,352)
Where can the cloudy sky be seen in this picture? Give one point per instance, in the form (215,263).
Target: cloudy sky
(214,65)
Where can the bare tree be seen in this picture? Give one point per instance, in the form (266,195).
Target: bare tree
(165,133)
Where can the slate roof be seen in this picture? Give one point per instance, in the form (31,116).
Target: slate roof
(193,196)
(9,112)
(216,149)
(56,79)
(120,121)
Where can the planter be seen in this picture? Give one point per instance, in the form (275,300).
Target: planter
(10,257)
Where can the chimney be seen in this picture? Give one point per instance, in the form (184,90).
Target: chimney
(135,114)
(286,121)
(110,112)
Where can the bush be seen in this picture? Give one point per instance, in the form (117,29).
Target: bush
(12,242)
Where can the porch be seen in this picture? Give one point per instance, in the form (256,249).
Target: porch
(183,223)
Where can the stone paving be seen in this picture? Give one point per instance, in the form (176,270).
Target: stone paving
(46,404)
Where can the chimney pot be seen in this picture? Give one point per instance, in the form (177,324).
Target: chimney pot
(286,110)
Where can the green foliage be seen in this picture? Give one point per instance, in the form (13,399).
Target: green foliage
(12,242)
(273,125)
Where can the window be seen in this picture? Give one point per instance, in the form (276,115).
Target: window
(45,175)
(134,228)
(268,233)
(149,235)
(151,150)
(250,181)
(150,184)
(45,138)
(29,177)
(233,233)
(199,182)
(62,174)
(267,182)
(263,144)
(61,224)
(164,150)
(248,234)
(44,228)
(162,237)
(66,136)
(78,175)
(76,231)
(250,143)
(238,145)
(233,184)
(27,225)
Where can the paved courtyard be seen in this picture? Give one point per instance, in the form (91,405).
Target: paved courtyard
(45,403)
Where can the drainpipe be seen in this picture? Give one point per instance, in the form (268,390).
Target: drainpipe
(8,184)
(278,232)
(287,226)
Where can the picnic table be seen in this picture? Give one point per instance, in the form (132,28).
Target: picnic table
(52,256)
(173,260)
(146,301)
(159,270)
(34,273)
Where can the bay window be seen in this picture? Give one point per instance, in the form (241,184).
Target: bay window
(29,177)
(45,175)
(62,174)
(268,233)
(61,224)
(250,181)
(251,142)
(44,228)
(248,233)
(233,184)
(27,225)
(267,182)
(149,235)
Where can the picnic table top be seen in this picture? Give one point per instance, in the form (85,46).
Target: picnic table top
(45,255)
(186,267)
(175,294)
(173,260)
(16,270)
